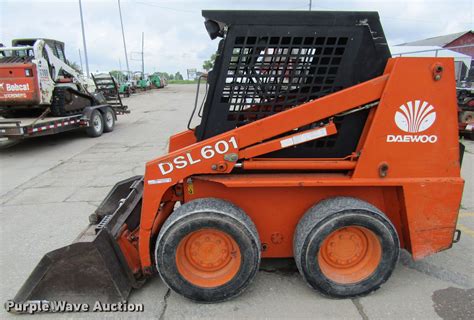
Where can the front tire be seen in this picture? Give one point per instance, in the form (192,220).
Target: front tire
(208,250)
(345,247)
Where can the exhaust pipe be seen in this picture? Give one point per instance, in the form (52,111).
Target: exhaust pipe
(92,268)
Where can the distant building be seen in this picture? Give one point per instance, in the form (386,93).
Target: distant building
(465,38)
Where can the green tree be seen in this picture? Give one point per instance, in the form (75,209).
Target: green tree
(118,75)
(208,64)
(178,76)
(164,74)
(75,66)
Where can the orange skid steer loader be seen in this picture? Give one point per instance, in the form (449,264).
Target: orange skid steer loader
(313,144)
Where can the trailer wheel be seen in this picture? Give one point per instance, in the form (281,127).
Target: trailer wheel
(96,125)
(345,247)
(109,120)
(208,250)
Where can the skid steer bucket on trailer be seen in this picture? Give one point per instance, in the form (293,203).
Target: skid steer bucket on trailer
(92,268)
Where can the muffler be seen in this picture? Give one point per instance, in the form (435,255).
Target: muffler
(92,268)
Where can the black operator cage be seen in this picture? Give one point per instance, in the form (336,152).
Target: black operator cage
(270,61)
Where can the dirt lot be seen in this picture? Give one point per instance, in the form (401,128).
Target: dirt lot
(50,185)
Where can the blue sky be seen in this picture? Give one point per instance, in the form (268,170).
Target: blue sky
(175,37)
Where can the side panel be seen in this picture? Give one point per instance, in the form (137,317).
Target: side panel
(431,215)
(414,130)
(277,210)
(414,135)
(16,88)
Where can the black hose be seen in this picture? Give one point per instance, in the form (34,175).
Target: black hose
(196,100)
(203,100)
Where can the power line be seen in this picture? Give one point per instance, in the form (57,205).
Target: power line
(393,18)
(309,5)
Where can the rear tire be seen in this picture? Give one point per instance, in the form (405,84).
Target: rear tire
(109,120)
(345,247)
(208,250)
(96,124)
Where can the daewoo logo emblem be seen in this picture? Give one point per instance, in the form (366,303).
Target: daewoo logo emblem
(415,116)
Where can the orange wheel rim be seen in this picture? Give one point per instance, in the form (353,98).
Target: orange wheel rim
(350,254)
(208,258)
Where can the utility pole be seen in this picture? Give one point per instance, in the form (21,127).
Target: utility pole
(80,60)
(84,40)
(143,61)
(310,4)
(123,37)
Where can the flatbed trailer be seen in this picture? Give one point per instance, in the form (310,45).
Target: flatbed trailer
(95,120)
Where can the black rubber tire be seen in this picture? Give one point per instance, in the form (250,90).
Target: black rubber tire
(328,216)
(208,213)
(109,120)
(96,124)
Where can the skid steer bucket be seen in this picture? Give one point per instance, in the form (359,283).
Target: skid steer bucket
(93,267)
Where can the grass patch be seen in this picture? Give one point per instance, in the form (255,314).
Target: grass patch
(182,81)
